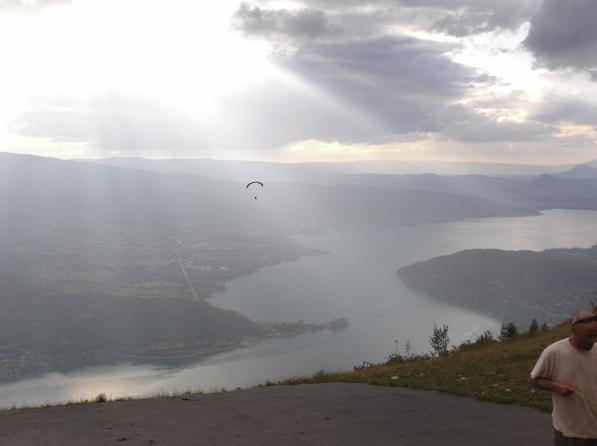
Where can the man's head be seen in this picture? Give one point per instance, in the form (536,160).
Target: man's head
(584,330)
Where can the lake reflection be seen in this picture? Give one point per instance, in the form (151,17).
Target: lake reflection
(356,280)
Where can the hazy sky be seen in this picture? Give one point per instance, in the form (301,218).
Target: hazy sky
(308,80)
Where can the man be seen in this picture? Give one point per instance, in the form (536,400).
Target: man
(568,369)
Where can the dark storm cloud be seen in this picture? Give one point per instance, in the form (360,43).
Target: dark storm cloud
(563,35)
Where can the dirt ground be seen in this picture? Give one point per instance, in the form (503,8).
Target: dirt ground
(320,414)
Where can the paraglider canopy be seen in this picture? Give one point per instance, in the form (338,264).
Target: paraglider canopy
(254,182)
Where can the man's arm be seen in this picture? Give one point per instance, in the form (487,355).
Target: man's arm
(553,386)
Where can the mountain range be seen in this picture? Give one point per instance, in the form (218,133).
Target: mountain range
(98,261)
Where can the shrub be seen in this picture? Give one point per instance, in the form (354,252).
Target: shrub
(485,338)
(407,349)
(439,340)
(395,356)
(508,331)
(363,366)
(533,328)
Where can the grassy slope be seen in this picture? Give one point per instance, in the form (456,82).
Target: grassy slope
(497,372)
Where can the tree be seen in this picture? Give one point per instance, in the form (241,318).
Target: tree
(439,340)
(485,338)
(508,331)
(534,327)
(407,349)
(395,356)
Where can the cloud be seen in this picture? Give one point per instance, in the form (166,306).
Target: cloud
(28,6)
(494,131)
(111,121)
(556,110)
(297,24)
(563,35)
(368,91)
(354,74)
(463,124)
(287,29)
(464,17)
(397,66)
(356,52)
(363,91)
(112,131)
(318,19)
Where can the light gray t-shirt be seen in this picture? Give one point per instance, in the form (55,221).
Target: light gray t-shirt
(572,415)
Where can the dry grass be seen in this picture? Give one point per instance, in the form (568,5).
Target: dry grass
(497,372)
(103,398)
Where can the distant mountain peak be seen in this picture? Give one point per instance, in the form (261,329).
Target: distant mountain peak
(545,180)
(579,171)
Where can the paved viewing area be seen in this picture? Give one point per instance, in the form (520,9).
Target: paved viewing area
(319,414)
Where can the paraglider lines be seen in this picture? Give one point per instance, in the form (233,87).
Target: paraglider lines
(254,182)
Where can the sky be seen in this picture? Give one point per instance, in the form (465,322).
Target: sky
(306,80)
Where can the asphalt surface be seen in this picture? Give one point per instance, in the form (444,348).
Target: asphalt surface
(319,414)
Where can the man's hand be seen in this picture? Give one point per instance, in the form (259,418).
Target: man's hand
(563,389)
(553,386)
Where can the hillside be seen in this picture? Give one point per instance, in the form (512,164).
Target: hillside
(497,371)
(43,329)
(551,192)
(579,171)
(510,285)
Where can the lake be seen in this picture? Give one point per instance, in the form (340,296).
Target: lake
(356,279)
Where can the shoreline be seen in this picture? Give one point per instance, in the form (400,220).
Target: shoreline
(66,364)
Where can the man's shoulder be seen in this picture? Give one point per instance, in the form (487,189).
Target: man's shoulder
(558,346)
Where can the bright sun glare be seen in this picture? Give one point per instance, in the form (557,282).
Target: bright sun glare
(181,53)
